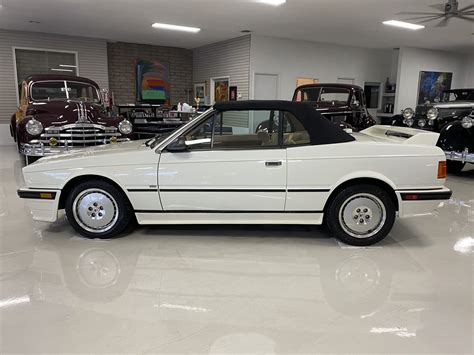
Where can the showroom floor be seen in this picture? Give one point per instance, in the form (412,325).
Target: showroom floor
(258,289)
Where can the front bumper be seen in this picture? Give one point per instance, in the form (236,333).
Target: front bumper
(421,202)
(463,156)
(43,203)
(43,150)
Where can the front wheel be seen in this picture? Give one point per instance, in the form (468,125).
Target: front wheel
(97,209)
(361,215)
(454,167)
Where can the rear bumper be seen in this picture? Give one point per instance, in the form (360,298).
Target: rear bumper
(463,156)
(43,203)
(421,202)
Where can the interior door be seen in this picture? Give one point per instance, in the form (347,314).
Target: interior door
(227,170)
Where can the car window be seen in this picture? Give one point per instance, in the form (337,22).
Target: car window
(236,130)
(48,90)
(82,91)
(294,132)
(334,96)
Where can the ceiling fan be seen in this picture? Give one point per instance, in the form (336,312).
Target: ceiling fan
(448,11)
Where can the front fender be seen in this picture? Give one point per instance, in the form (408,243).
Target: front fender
(454,137)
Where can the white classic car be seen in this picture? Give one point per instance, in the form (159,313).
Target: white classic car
(301,169)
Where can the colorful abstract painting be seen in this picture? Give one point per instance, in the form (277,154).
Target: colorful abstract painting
(153,82)
(432,84)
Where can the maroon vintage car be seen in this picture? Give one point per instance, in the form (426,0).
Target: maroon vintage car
(343,104)
(60,113)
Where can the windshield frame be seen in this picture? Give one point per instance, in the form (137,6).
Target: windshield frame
(65,82)
(158,145)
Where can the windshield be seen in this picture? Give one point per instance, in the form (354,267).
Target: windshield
(458,95)
(323,96)
(63,90)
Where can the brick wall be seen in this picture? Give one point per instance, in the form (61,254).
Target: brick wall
(122,58)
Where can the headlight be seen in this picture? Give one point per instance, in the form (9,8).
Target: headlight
(34,127)
(422,123)
(408,113)
(125,127)
(467,122)
(432,113)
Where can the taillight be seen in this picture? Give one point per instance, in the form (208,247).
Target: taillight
(442,169)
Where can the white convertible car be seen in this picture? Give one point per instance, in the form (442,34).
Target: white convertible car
(301,169)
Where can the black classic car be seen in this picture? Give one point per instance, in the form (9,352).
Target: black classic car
(454,105)
(63,112)
(457,141)
(342,104)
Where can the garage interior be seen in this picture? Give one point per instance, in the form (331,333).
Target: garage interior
(253,289)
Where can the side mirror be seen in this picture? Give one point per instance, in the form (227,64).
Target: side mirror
(177,146)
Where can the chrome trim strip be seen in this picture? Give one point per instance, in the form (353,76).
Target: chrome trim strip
(463,156)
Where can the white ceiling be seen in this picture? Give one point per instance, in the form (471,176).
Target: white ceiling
(349,22)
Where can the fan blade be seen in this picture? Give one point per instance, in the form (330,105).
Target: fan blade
(423,17)
(444,22)
(466,8)
(419,13)
(469,13)
(430,19)
(470,19)
(439,7)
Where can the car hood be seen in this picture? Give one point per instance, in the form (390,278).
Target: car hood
(61,112)
(103,155)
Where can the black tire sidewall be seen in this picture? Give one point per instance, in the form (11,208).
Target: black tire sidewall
(454,167)
(124,209)
(332,217)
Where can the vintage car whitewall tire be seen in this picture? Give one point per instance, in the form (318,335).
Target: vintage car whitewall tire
(361,215)
(97,209)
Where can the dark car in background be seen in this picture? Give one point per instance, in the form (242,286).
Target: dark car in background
(60,113)
(457,141)
(342,104)
(454,105)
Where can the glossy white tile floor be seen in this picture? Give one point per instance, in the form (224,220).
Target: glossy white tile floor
(236,289)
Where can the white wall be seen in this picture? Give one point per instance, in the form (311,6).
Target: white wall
(92,58)
(292,59)
(413,60)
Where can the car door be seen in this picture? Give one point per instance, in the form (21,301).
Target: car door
(227,167)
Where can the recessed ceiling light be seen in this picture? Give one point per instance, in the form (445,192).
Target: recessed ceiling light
(407,25)
(59,69)
(272,2)
(166,26)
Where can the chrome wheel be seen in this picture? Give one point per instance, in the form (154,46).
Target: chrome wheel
(95,210)
(362,215)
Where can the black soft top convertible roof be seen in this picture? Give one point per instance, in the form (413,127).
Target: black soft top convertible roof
(320,129)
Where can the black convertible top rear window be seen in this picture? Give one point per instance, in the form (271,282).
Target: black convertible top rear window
(320,129)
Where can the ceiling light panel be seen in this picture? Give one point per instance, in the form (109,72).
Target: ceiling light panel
(272,2)
(165,26)
(406,25)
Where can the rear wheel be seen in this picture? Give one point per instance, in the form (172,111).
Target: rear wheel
(97,209)
(454,166)
(361,215)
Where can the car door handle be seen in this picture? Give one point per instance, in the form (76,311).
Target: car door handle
(273,163)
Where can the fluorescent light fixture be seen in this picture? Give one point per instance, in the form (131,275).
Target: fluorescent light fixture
(166,26)
(407,25)
(57,69)
(67,66)
(272,2)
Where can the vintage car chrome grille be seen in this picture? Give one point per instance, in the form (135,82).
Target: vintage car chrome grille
(78,135)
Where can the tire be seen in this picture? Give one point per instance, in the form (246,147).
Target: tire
(454,167)
(97,209)
(373,208)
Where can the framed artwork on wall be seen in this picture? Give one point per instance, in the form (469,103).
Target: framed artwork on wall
(200,92)
(432,84)
(306,81)
(152,81)
(233,93)
(219,89)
